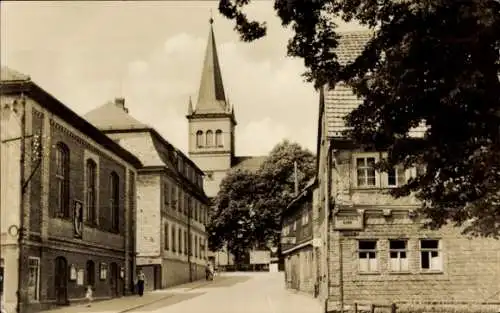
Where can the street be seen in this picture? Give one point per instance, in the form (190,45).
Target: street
(228,293)
(237,293)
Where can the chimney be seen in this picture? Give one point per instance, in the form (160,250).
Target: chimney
(120,102)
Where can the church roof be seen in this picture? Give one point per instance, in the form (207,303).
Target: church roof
(340,100)
(251,163)
(211,94)
(113,115)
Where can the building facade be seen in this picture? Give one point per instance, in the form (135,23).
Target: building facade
(212,125)
(297,242)
(377,250)
(172,206)
(68,202)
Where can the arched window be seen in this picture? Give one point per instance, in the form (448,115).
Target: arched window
(114,201)
(218,138)
(90,273)
(199,139)
(62,180)
(210,138)
(91,170)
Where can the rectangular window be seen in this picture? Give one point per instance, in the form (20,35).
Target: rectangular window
(430,256)
(166,193)
(186,249)
(367,252)
(398,255)
(180,241)
(179,199)
(396,177)
(34,278)
(305,218)
(166,236)
(365,169)
(196,246)
(174,242)
(173,193)
(186,204)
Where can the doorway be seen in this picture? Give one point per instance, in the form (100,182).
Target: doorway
(61,281)
(114,279)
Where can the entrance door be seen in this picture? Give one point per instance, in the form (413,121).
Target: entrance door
(61,281)
(114,279)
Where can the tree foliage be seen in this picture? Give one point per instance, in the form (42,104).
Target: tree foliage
(248,205)
(432,61)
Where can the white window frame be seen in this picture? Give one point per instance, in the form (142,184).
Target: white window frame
(305,218)
(365,156)
(372,265)
(397,171)
(37,292)
(429,251)
(399,263)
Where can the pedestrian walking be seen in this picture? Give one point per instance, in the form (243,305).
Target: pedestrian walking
(209,271)
(89,295)
(141,279)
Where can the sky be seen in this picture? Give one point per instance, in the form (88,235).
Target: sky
(151,53)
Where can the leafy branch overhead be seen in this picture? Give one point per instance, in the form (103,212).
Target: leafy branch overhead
(247,209)
(431,62)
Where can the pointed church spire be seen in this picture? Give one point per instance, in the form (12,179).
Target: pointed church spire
(211,95)
(190,106)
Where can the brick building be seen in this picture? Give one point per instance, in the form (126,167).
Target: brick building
(73,208)
(171,204)
(377,250)
(297,241)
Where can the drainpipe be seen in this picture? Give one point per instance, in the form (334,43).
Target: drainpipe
(189,239)
(21,231)
(326,221)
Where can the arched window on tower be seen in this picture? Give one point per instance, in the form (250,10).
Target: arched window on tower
(218,138)
(199,139)
(210,138)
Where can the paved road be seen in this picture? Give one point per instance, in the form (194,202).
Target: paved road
(236,293)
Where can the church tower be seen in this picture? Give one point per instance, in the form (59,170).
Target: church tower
(211,122)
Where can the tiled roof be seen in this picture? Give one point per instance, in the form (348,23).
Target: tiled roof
(109,116)
(340,100)
(251,163)
(10,75)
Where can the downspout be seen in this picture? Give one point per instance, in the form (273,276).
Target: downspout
(189,239)
(326,221)
(340,250)
(21,232)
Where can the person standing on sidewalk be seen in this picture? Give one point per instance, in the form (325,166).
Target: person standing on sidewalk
(141,278)
(89,296)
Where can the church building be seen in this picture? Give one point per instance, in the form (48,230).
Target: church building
(212,124)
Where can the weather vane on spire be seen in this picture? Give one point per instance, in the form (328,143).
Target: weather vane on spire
(211,20)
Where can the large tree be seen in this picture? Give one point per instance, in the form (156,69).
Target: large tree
(435,61)
(249,204)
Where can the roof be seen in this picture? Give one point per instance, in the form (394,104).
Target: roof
(302,195)
(110,116)
(13,82)
(211,95)
(251,163)
(340,100)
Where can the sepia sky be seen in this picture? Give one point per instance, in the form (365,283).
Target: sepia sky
(151,53)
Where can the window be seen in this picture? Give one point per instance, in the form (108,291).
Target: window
(396,177)
(174,243)
(305,218)
(91,191)
(294,226)
(196,246)
(34,278)
(365,168)
(185,243)
(430,256)
(286,230)
(166,193)
(180,240)
(179,199)
(199,139)
(218,138)
(90,269)
(191,250)
(114,201)
(367,251)
(62,180)
(173,196)
(165,239)
(210,138)
(398,256)
(201,249)
(186,203)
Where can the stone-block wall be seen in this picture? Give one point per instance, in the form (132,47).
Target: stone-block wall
(471,267)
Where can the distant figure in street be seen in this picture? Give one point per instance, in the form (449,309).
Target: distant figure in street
(209,272)
(140,282)
(89,295)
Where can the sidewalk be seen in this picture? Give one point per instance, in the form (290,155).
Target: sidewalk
(129,303)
